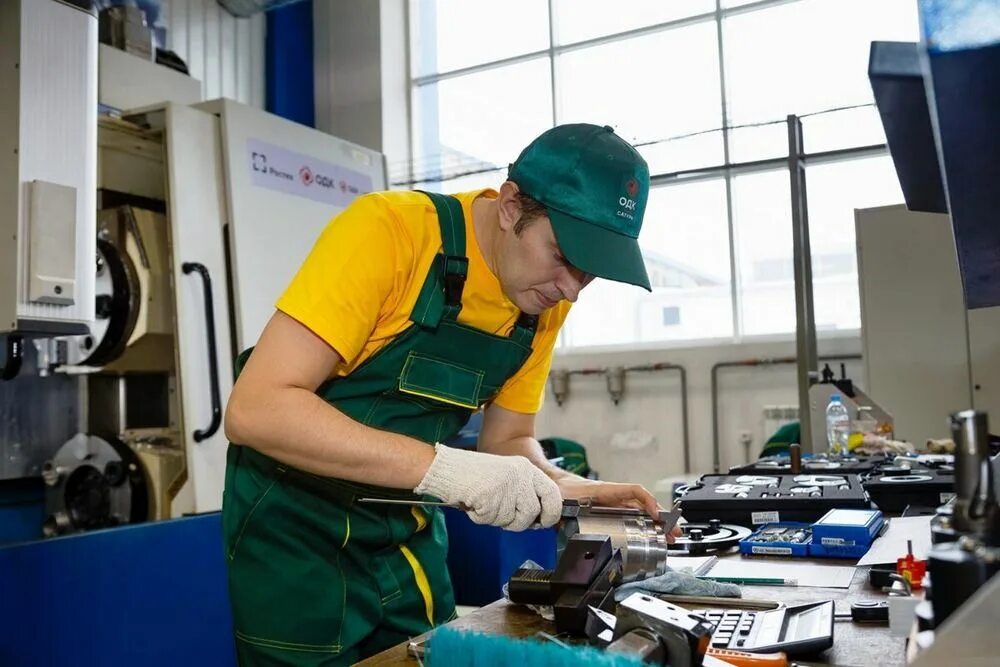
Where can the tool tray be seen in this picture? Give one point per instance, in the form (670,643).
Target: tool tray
(781,465)
(746,500)
(758,544)
(838,534)
(919,486)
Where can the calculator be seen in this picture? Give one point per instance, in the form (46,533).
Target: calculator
(796,630)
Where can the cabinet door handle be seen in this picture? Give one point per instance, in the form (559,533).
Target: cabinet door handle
(213,370)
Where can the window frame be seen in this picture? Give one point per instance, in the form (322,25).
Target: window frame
(727,170)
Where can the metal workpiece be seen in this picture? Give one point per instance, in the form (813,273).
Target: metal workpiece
(973,473)
(641,643)
(681,633)
(642,540)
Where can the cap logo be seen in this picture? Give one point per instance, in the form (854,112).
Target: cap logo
(626,205)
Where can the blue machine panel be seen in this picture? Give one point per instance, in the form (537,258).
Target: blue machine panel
(152,594)
(939,102)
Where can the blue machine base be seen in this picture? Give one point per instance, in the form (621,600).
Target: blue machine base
(156,594)
(151,594)
(482,558)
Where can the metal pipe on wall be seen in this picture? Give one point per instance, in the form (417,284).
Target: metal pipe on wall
(560,389)
(716,454)
(684,402)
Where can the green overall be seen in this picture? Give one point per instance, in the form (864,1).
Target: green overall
(316,578)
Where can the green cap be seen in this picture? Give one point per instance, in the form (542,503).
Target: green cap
(594,185)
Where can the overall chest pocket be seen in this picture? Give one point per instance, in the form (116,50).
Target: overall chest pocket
(441,380)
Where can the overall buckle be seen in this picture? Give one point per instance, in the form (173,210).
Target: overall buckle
(456,268)
(527,321)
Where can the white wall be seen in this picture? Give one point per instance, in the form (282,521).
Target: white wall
(225,53)
(652,404)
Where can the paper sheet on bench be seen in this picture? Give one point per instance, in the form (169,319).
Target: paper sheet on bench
(806,574)
(892,544)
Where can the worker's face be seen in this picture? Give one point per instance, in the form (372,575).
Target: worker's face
(532,270)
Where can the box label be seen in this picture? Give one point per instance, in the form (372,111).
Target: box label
(764,517)
(775,551)
(836,542)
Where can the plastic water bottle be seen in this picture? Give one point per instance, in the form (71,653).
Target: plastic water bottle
(838,425)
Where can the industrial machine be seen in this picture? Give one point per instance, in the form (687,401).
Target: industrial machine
(47,182)
(924,352)
(938,101)
(150,249)
(194,247)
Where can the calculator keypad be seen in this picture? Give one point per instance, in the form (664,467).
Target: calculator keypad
(733,628)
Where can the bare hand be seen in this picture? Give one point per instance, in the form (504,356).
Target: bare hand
(612,494)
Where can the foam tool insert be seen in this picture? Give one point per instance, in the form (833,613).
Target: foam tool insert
(753,499)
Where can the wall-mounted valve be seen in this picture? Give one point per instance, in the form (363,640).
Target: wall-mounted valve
(560,384)
(616,383)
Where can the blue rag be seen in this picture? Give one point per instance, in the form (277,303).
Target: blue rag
(678,583)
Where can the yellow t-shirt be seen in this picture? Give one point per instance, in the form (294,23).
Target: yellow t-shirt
(361,279)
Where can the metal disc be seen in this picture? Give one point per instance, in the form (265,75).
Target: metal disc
(117,295)
(906,478)
(821,465)
(711,536)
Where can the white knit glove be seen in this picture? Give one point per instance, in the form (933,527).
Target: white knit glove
(505,491)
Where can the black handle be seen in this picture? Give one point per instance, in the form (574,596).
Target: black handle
(213,370)
(15,353)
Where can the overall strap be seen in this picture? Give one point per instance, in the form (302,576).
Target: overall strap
(441,295)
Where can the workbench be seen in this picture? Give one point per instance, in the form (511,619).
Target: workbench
(853,644)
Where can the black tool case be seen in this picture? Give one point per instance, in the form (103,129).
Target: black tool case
(920,486)
(732,500)
(781,465)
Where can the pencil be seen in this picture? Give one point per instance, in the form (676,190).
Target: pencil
(758,581)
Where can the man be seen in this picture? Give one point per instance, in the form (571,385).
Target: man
(411,312)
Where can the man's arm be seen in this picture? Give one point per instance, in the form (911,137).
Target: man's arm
(274,409)
(513,433)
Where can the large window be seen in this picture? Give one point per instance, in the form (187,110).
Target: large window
(614,84)
(489,76)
